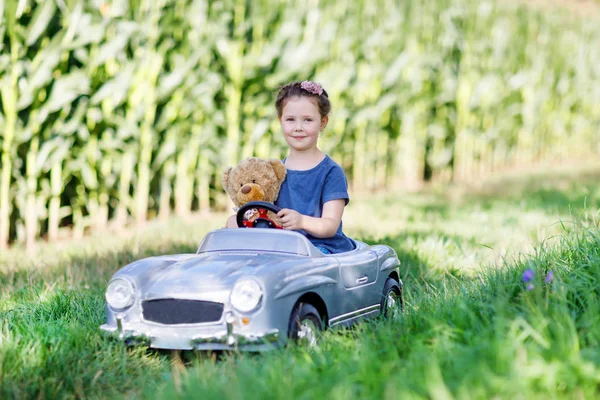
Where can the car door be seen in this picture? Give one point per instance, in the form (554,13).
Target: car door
(358,273)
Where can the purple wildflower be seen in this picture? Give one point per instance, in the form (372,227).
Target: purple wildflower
(529,287)
(312,87)
(528,275)
(549,276)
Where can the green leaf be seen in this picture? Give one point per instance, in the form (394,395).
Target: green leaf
(71,125)
(39,23)
(61,152)
(43,65)
(39,73)
(66,89)
(167,149)
(169,82)
(115,89)
(116,44)
(83,31)
(88,175)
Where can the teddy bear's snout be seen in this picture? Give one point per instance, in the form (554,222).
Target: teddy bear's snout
(251,192)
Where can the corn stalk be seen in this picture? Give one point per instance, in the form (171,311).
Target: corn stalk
(143,97)
(9,102)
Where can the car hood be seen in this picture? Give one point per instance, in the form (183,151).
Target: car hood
(211,272)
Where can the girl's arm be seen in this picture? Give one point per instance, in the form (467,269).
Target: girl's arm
(231,222)
(323,227)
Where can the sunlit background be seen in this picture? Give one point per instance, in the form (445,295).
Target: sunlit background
(115,112)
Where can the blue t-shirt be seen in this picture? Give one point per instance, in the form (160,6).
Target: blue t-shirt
(307,191)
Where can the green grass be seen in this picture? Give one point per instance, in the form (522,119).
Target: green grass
(470,330)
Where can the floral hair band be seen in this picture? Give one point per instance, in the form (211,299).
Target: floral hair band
(312,87)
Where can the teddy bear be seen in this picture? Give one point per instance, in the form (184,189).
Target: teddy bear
(254,179)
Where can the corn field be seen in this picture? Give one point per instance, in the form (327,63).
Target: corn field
(113,112)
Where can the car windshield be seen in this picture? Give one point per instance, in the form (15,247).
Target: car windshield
(255,239)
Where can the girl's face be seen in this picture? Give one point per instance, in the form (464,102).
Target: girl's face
(301,123)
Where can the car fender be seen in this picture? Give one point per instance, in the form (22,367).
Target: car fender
(390,263)
(305,284)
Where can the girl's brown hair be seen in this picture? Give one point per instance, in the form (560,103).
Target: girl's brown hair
(295,89)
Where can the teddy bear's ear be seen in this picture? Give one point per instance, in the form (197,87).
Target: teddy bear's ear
(279,169)
(226,177)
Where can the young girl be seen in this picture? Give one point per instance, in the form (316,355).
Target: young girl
(315,191)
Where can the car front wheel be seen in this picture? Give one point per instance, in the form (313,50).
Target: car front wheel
(305,325)
(391,303)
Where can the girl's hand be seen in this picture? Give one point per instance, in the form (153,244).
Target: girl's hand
(290,219)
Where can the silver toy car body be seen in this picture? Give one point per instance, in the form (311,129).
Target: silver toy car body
(249,289)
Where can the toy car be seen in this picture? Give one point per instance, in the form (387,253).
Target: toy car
(250,289)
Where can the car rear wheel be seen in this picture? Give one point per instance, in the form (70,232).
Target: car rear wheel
(305,325)
(391,303)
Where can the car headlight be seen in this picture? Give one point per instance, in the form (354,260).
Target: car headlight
(246,295)
(120,294)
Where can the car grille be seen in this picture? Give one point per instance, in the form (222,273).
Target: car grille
(178,311)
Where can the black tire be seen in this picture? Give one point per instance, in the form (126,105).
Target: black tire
(304,314)
(391,289)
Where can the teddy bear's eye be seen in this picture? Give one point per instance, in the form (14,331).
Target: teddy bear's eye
(241,184)
(253,180)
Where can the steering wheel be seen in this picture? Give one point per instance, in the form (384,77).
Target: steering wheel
(263,220)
